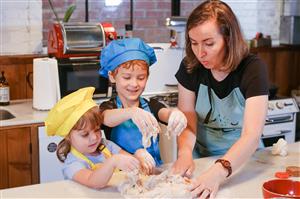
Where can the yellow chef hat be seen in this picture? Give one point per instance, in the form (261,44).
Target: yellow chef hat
(67,111)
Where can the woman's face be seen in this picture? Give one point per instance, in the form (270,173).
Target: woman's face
(208,44)
(85,141)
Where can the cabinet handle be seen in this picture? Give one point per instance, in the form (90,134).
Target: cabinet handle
(29,79)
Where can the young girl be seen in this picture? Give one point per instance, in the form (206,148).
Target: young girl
(128,117)
(88,159)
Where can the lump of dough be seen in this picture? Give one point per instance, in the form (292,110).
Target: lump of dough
(280,148)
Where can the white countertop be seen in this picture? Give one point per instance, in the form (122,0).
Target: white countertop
(24,113)
(246,183)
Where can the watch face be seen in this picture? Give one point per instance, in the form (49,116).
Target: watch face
(227,164)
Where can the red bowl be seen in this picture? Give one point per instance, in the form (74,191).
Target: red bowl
(281,188)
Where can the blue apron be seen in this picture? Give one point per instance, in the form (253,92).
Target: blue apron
(220,121)
(128,136)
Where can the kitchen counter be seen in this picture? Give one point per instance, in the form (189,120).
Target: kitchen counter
(24,113)
(246,183)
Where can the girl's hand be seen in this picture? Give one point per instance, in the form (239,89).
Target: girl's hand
(145,121)
(146,160)
(177,122)
(125,162)
(207,184)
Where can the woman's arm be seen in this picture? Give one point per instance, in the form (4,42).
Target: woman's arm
(254,120)
(253,124)
(186,141)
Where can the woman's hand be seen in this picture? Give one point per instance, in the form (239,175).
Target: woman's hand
(146,160)
(177,122)
(207,184)
(125,162)
(145,121)
(184,165)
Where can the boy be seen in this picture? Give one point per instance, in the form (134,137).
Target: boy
(130,119)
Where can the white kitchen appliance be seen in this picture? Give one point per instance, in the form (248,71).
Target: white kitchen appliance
(280,121)
(162,73)
(50,166)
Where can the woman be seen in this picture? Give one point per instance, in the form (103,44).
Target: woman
(223,91)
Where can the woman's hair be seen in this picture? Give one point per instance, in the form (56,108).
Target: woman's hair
(92,119)
(236,47)
(133,64)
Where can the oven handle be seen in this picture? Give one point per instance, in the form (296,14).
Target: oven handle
(79,64)
(83,49)
(84,64)
(286,118)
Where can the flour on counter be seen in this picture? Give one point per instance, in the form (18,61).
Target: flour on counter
(165,185)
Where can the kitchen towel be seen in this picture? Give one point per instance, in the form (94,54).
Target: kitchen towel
(46,90)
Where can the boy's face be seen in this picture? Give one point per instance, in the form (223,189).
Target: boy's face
(130,83)
(85,141)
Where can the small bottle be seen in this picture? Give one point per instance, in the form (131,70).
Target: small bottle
(4,90)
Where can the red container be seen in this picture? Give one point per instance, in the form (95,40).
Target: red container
(281,188)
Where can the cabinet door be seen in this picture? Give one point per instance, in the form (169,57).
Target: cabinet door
(18,156)
(3,161)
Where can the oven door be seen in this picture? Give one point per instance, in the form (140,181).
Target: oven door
(76,74)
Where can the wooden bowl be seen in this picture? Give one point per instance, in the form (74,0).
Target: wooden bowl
(281,188)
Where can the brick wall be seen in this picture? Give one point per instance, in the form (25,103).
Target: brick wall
(149,15)
(148,23)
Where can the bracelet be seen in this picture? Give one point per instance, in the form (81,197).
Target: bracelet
(226,164)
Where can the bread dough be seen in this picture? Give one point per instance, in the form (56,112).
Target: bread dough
(280,148)
(165,185)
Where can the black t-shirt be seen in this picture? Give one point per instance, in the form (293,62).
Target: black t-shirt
(250,77)
(154,106)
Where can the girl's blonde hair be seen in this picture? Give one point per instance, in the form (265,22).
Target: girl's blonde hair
(92,119)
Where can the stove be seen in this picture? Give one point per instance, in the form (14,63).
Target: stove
(169,99)
(280,121)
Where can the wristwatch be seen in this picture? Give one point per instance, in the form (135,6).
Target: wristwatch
(226,164)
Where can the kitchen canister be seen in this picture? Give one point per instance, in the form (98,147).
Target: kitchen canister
(46,90)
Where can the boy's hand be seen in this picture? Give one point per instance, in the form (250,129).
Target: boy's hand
(146,160)
(125,162)
(177,122)
(145,121)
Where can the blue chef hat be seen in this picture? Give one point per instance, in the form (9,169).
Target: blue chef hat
(120,51)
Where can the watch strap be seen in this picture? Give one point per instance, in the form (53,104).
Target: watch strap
(226,165)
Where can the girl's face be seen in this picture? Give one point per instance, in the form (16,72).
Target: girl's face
(130,83)
(208,44)
(85,141)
